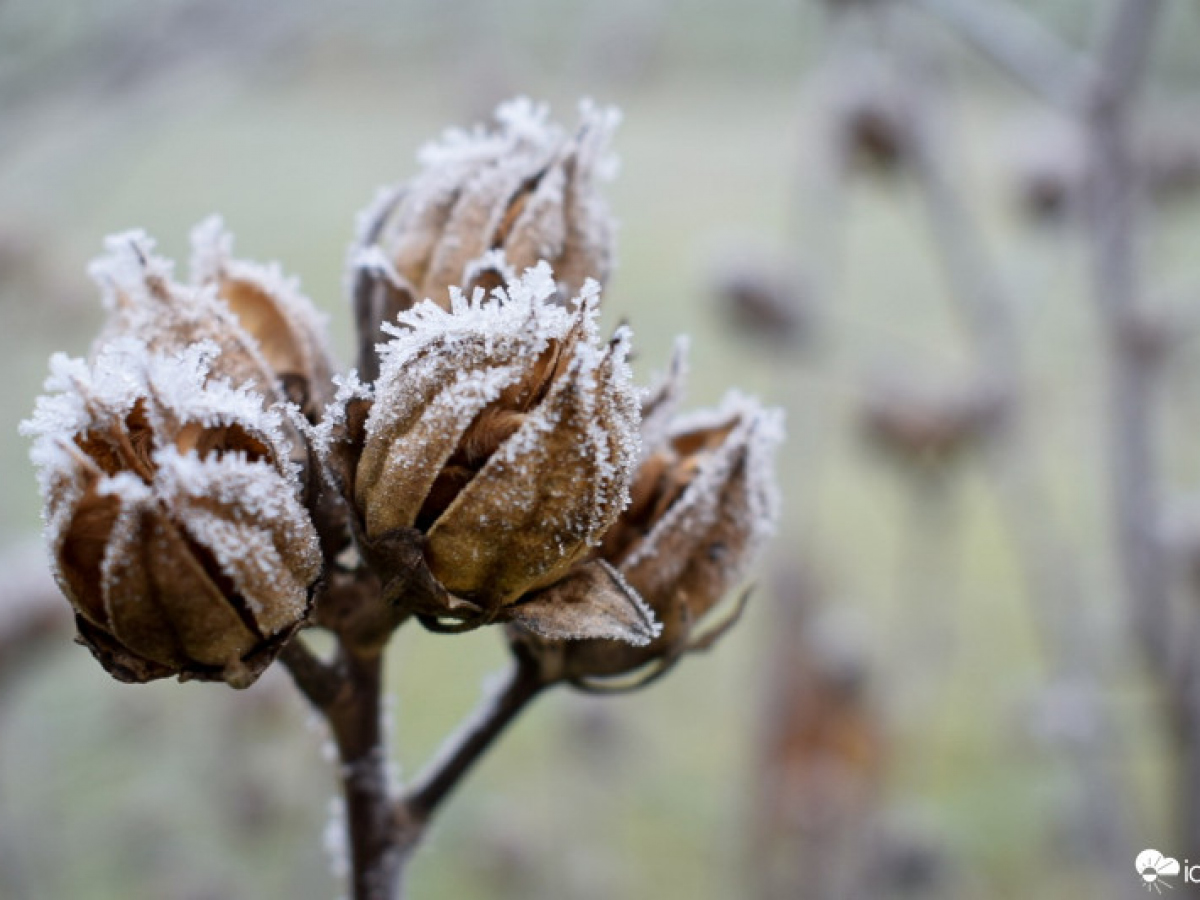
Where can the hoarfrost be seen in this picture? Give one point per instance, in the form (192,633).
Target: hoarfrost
(751,444)
(334,839)
(660,402)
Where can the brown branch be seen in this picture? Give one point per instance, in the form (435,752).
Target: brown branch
(497,711)
(319,682)
(1019,44)
(377,856)
(349,694)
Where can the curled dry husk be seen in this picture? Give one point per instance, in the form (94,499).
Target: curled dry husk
(172,503)
(493,453)
(703,502)
(523,187)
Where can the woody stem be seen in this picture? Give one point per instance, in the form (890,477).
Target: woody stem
(349,694)
(376,857)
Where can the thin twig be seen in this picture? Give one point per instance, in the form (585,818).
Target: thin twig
(319,682)
(1019,44)
(496,712)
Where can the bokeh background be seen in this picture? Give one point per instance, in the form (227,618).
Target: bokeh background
(935,691)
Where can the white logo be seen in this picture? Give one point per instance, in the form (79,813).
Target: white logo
(1152,866)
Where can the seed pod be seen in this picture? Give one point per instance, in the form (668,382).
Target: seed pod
(172,514)
(876,119)
(270,336)
(930,425)
(703,502)
(500,442)
(144,302)
(523,187)
(286,327)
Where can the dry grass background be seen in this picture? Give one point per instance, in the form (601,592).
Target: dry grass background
(191,792)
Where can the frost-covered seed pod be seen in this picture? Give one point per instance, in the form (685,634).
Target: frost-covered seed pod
(703,503)
(286,326)
(172,513)
(270,335)
(523,187)
(504,435)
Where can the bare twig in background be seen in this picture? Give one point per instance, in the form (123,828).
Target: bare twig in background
(821,757)
(1019,44)
(1112,205)
(1076,651)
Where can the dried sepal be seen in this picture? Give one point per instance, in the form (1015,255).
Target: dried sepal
(523,188)
(172,513)
(289,331)
(660,402)
(591,601)
(546,494)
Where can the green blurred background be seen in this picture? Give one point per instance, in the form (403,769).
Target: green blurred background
(285,118)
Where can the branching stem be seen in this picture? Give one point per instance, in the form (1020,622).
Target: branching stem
(496,712)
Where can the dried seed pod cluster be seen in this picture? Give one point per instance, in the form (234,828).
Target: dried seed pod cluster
(172,514)
(211,486)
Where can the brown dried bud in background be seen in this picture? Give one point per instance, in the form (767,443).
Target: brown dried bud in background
(285,325)
(703,501)
(499,443)
(921,424)
(524,187)
(765,300)
(172,514)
